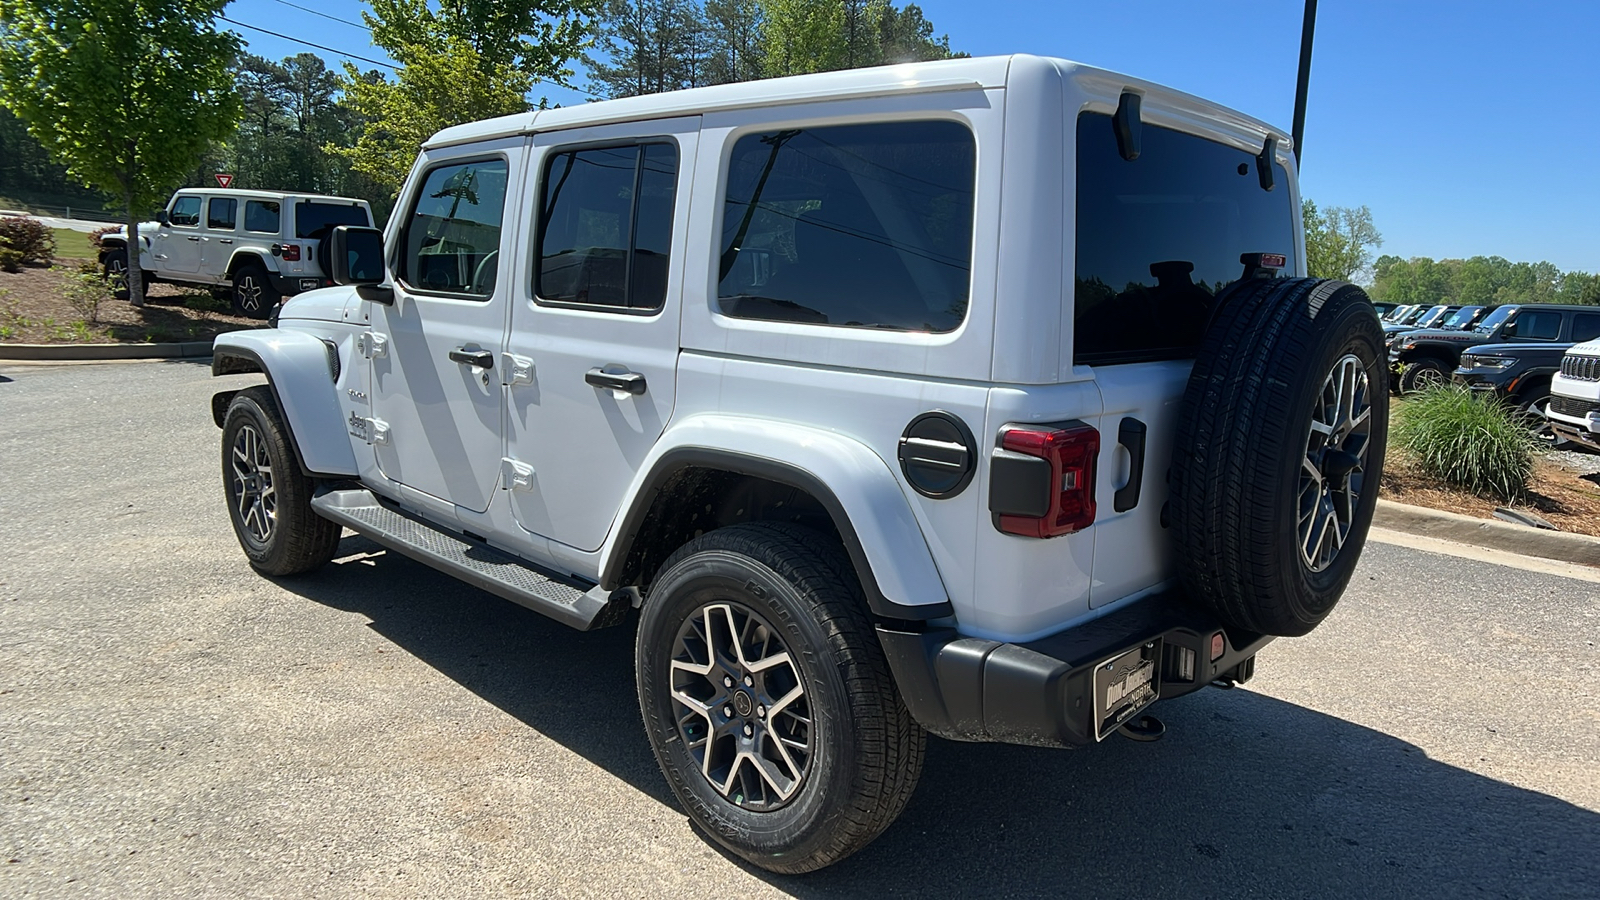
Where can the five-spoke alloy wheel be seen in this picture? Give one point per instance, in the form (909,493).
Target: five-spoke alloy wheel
(255,501)
(268,496)
(1333,471)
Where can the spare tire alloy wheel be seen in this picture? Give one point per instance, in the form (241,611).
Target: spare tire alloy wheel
(1279,452)
(767,698)
(1333,474)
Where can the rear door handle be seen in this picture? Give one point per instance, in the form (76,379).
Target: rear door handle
(224,240)
(193,238)
(483,359)
(632,382)
(1131,436)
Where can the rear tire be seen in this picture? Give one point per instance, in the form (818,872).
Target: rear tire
(1279,452)
(253,294)
(1422,374)
(831,755)
(269,498)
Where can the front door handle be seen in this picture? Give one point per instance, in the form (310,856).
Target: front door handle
(224,240)
(483,359)
(1131,436)
(631,382)
(194,238)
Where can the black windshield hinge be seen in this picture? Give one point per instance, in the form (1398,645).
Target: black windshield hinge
(1127,125)
(1265,162)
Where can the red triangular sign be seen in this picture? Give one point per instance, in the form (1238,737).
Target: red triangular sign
(224,179)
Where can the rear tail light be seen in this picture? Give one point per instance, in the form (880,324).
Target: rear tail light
(291,252)
(1042,479)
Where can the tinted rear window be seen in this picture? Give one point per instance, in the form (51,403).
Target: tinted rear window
(1160,235)
(315,220)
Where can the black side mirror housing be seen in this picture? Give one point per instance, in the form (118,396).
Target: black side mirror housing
(163,218)
(355,255)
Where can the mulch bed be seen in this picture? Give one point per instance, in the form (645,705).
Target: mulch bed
(34,310)
(1567,498)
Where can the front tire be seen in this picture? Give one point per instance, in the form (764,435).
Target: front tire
(253,294)
(768,701)
(269,498)
(1423,374)
(115,269)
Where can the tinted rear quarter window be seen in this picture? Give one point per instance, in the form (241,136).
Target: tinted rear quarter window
(1158,236)
(314,220)
(866,226)
(1585,327)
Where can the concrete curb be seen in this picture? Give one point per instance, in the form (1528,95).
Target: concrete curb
(35,352)
(1557,545)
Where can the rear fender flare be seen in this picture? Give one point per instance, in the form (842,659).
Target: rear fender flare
(859,491)
(245,257)
(298,371)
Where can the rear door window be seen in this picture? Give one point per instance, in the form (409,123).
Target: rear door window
(452,236)
(1538,325)
(1158,236)
(222,213)
(866,226)
(606,226)
(1585,327)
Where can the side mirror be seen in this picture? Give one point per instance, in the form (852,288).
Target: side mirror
(1509,329)
(163,218)
(355,254)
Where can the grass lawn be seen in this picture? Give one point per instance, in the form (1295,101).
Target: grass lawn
(73,244)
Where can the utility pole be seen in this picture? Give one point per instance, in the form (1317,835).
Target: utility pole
(1304,80)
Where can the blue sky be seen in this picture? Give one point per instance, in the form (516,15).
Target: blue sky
(1469,127)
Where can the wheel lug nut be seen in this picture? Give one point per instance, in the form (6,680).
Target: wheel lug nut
(727,711)
(748,681)
(727,681)
(749,731)
(761,712)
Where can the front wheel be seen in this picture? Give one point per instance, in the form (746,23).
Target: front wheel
(768,700)
(1536,414)
(269,498)
(1424,374)
(115,269)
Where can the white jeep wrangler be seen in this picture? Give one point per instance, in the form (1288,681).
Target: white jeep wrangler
(254,247)
(963,397)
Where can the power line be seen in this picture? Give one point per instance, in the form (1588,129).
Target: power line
(322,14)
(285,37)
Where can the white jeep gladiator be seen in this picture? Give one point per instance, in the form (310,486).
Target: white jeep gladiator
(979,397)
(253,247)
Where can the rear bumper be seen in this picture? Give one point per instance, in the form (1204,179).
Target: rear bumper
(1042,693)
(289,285)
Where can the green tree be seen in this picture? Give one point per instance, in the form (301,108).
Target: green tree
(734,28)
(803,36)
(653,46)
(1339,242)
(906,35)
(126,93)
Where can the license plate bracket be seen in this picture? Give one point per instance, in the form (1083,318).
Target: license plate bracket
(1123,686)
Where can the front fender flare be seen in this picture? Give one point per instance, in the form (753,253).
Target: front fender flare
(859,491)
(297,368)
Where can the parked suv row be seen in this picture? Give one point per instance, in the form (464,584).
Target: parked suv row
(255,247)
(1427,357)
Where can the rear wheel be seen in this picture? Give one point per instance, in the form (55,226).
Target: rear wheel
(1279,452)
(253,293)
(269,498)
(768,700)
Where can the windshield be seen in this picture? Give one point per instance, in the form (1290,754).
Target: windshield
(1493,320)
(1415,314)
(1462,318)
(1398,313)
(1433,315)
(314,220)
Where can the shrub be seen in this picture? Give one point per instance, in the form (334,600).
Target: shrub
(10,260)
(1467,441)
(29,237)
(98,233)
(86,290)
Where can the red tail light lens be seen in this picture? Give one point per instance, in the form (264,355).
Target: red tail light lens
(1067,503)
(291,252)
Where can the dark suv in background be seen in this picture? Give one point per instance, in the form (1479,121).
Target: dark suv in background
(1519,375)
(1420,359)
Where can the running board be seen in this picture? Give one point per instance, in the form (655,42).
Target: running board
(476,563)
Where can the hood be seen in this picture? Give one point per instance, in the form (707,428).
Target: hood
(145,230)
(1441,334)
(322,305)
(1532,353)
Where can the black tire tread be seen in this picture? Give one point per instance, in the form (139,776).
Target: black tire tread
(304,540)
(892,745)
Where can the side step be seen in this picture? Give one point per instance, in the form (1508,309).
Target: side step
(477,564)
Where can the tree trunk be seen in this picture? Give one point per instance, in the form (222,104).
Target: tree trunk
(135,270)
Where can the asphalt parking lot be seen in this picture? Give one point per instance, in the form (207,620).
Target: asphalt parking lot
(172,724)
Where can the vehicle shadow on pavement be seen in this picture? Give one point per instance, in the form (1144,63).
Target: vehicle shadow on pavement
(1246,796)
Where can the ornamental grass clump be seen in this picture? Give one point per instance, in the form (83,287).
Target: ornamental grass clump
(1467,441)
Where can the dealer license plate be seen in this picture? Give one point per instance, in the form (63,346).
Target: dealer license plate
(1123,686)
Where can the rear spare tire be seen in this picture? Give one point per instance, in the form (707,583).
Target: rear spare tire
(1279,452)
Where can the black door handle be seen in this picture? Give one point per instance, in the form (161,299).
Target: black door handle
(1131,436)
(632,382)
(483,359)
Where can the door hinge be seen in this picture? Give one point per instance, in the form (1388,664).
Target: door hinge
(372,344)
(515,475)
(380,432)
(515,369)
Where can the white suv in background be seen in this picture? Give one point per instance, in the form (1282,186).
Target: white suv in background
(963,398)
(1575,395)
(257,246)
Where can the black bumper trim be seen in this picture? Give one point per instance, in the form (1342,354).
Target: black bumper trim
(1041,693)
